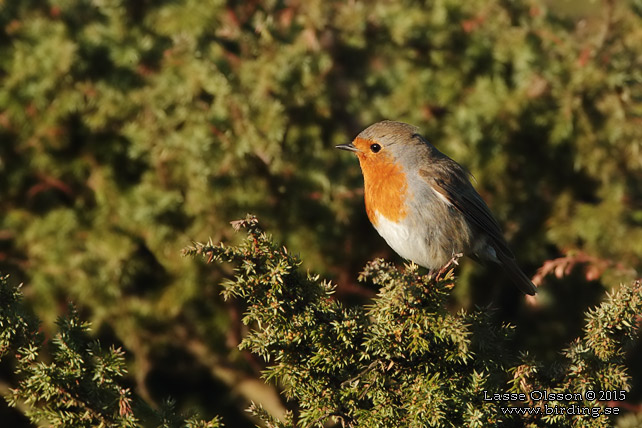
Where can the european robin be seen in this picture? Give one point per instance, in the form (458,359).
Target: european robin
(423,204)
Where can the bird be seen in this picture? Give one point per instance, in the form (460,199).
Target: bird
(423,203)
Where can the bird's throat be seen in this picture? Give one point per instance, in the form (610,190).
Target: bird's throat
(385,187)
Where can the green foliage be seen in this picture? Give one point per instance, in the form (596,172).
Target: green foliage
(405,360)
(596,361)
(82,384)
(16,327)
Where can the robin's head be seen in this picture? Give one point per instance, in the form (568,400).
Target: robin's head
(385,142)
(384,151)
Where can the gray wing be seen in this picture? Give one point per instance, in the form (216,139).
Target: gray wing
(450,180)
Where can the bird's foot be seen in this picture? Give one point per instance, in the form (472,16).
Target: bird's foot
(453,261)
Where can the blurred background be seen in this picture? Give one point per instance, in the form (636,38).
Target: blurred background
(130,129)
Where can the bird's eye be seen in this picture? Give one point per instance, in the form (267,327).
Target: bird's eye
(375,147)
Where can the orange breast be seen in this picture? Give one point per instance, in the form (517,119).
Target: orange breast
(385,184)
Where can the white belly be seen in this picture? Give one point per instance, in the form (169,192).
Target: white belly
(411,243)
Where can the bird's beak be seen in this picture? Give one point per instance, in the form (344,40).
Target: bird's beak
(349,147)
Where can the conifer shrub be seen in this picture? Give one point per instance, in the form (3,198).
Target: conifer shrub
(75,382)
(403,360)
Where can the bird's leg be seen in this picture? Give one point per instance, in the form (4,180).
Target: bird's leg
(453,261)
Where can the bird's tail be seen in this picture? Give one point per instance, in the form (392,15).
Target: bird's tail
(518,277)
